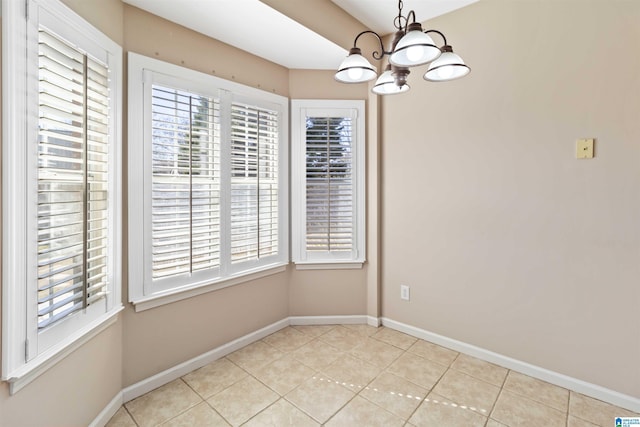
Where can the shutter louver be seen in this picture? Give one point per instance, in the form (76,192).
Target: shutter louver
(254,183)
(185,183)
(329,185)
(72,180)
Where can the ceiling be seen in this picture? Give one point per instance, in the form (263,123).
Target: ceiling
(253,26)
(378,15)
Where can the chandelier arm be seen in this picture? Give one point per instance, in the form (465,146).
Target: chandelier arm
(376,55)
(409,15)
(438,32)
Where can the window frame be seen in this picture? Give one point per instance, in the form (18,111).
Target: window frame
(300,256)
(143,71)
(26,352)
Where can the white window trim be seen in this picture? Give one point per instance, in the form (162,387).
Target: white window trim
(298,184)
(139,67)
(15,324)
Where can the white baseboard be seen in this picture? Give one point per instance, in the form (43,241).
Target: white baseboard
(615,398)
(109,411)
(327,320)
(164,377)
(374,321)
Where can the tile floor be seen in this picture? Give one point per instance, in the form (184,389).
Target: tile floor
(357,375)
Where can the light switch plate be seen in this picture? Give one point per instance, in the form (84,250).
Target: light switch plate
(584,148)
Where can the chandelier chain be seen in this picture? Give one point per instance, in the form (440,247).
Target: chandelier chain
(400,21)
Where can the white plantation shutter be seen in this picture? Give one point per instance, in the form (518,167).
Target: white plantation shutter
(185,201)
(73,154)
(330,191)
(254,183)
(328,182)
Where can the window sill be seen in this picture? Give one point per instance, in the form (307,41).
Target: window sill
(152,301)
(329,265)
(22,376)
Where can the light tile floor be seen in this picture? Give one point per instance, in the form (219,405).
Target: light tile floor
(357,375)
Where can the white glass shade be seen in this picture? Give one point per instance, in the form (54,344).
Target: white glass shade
(386,85)
(355,69)
(448,67)
(414,48)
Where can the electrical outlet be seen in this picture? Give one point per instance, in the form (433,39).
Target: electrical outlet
(404,292)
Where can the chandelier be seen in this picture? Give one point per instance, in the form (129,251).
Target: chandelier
(410,47)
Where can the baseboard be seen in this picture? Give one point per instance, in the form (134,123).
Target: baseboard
(374,321)
(109,411)
(574,384)
(328,320)
(184,368)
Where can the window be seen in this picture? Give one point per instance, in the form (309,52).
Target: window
(254,183)
(61,189)
(328,183)
(208,191)
(185,184)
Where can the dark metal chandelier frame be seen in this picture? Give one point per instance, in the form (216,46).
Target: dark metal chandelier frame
(410,47)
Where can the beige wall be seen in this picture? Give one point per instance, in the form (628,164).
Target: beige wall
(73,392)
(507,241)
(326,292)
(160,338)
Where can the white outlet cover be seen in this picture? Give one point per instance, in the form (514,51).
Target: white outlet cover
(404,292)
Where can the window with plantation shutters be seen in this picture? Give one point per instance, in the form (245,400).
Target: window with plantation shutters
(329,189)
(61,185)
(207,183)
(254,183)
(328,182)
(185,200)
(72,206)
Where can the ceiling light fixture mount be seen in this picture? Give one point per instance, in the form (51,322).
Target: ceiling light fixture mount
(411,47)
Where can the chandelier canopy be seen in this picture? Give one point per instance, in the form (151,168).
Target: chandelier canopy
(411,47)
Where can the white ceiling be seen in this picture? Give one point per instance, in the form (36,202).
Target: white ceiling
(253,26)
(379,15)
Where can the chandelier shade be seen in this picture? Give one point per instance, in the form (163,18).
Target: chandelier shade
(414,48)
(355,68)
(449,66)
(386,85)
(410,47)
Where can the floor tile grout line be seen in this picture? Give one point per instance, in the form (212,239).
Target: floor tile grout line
(535,399)
(130,415)
(493,407)
(362,397)
(406,420)
(427,390)
(568,406)
(188,408)
(450,368)
(205,399)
